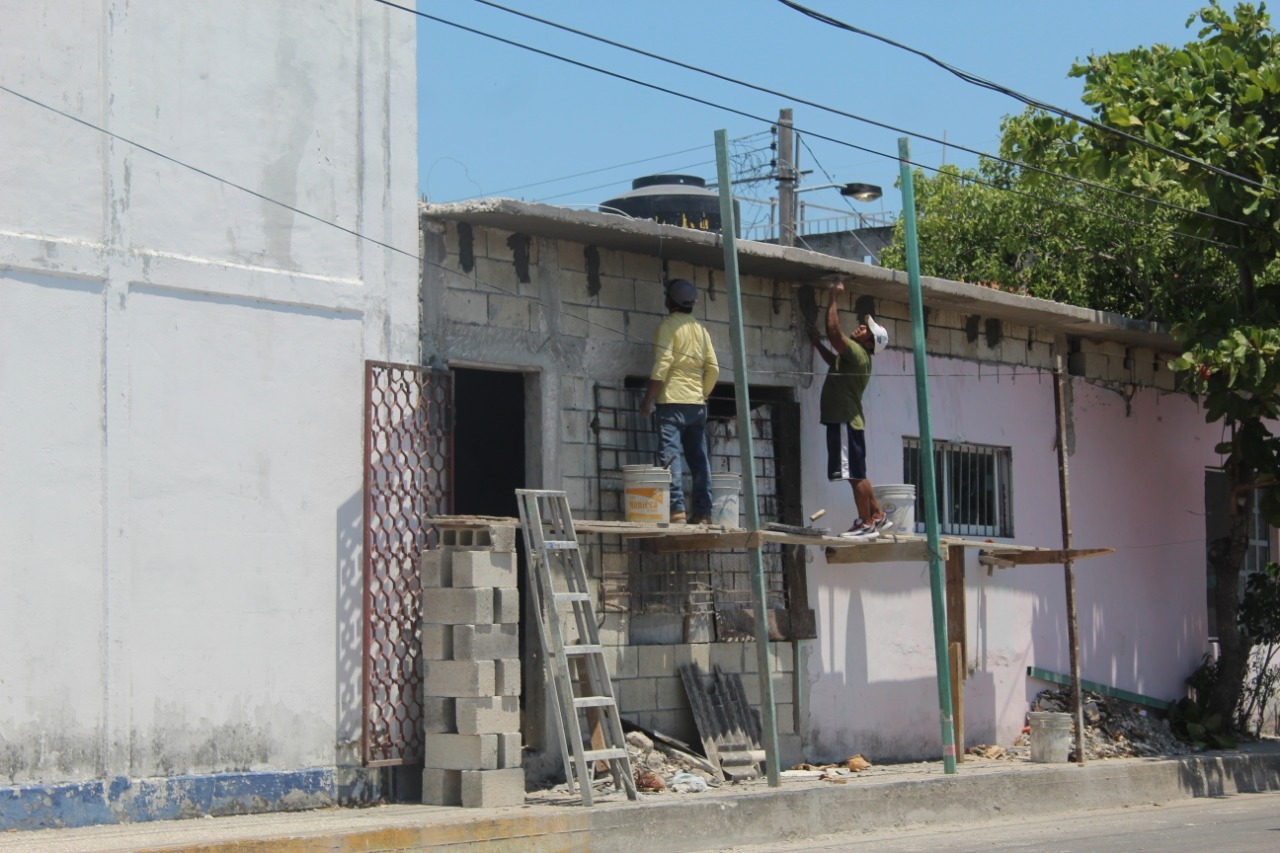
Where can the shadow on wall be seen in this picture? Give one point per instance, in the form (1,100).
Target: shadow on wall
(357,785)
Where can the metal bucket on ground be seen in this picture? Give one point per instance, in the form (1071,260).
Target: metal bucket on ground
(725,488)
(898,500)
(1050,736)
(647,490)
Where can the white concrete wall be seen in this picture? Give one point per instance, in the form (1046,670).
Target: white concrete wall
(181,374)
(1136,483)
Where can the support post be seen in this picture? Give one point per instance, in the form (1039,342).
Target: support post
(928,482)
(760,598)
(957,621)
(1068,566)
(787,175)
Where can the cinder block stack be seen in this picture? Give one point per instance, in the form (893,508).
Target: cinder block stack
(471,646)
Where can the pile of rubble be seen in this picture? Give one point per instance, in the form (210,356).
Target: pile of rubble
(1113,728)
(661,767)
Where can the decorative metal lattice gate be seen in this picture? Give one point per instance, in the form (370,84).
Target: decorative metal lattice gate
(407,477)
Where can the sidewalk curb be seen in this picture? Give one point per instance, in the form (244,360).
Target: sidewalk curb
(919,797)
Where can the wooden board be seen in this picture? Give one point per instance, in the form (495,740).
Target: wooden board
(1022,557)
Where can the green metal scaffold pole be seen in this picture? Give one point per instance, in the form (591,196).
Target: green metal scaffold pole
(728,231)
(928,482)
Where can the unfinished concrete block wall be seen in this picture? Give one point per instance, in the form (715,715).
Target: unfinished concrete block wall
(471,653)
(582,315)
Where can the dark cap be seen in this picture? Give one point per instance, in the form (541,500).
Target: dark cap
(682,293)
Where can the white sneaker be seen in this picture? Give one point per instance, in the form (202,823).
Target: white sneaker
(861,531)
(884,523)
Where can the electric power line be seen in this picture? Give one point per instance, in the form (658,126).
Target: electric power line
(1026,99)
(733,110)
(854,116)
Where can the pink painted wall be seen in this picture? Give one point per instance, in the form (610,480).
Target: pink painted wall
(1137,485)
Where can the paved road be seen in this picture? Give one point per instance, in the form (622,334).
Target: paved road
(1242,823)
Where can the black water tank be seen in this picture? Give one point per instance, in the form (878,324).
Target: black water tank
(682,200)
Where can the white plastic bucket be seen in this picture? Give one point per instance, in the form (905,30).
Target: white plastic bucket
(648,494)
(898,500)
(724,498)
(1050,736)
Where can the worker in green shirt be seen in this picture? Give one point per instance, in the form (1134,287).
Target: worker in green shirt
(684,372)
(841,411)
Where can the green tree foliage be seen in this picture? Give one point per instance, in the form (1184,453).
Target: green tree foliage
(1023,231)
(1213,106)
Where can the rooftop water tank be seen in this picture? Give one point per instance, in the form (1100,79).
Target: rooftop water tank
(682,200)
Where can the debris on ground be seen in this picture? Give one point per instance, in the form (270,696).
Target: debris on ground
(987,750)
(1113,728)
(658,766)
(841,772)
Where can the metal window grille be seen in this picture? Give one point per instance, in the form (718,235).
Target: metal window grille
(407,476)
(676,589)
(973,484)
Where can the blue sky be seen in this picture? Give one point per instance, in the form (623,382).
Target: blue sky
(494,119)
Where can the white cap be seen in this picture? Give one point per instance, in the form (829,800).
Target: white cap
(879,335)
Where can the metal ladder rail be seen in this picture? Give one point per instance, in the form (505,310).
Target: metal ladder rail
(560,551)
(589,651)
(535,564)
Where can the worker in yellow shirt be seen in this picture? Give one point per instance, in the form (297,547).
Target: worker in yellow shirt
(685,370)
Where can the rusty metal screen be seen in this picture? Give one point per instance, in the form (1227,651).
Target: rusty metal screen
(407,477)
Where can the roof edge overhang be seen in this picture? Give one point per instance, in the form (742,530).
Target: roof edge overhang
(796,265)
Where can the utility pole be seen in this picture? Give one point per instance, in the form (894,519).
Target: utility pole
(787,175)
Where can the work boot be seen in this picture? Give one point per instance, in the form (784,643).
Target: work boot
(677,518)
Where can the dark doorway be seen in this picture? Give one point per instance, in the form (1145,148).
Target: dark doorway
(488,466)
(488,442)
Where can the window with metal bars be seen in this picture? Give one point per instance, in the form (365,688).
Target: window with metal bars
(973,484)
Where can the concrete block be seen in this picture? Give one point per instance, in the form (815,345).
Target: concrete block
(439,714)
(611,263)
(510,749)
(460,678)
(728,656)
(461,752)
(504,604)
(485,642)
(459,607)
(670,695)
(637,694)
(472,569)
(657,661)
(441,787)
(496,245)
(785,716)
(1091,365)
(436,569)
(509,312)
(496,537)
(466,307)
(487,715)
(609,325)
(437,642)
(622,661)
(677,724)
(617,293)
(486,789)
(507,677)
(782,657)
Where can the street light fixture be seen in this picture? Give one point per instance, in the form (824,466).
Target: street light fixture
(861,192)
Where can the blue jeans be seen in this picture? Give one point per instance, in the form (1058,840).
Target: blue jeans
(682,428)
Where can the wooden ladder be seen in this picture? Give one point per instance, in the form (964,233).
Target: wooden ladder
(552,550)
